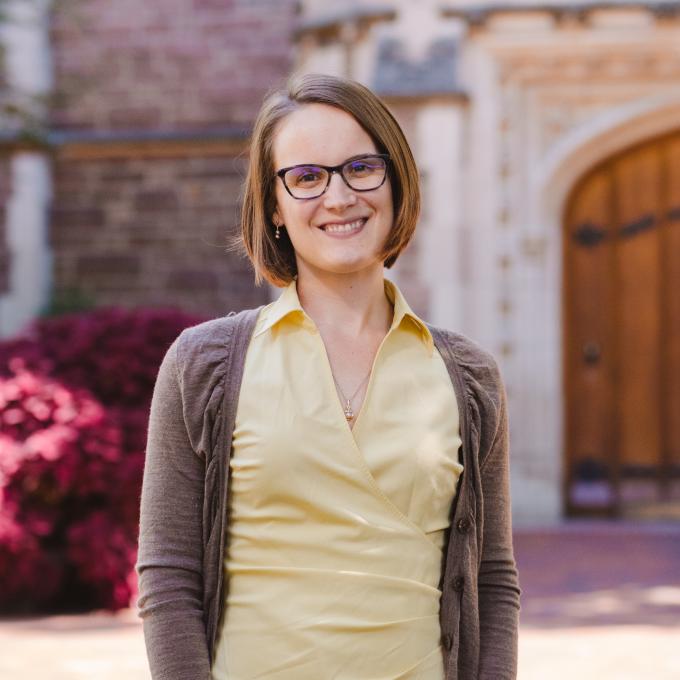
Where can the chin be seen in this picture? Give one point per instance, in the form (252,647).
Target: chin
(356,267)
(346,267)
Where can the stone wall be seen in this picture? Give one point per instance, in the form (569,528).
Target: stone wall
(167,65)
(4,195)
(150,231)
(135,227)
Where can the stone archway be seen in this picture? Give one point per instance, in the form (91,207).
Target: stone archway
(621,328)
(560,173)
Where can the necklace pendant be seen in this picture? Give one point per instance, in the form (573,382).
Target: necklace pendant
(349,414)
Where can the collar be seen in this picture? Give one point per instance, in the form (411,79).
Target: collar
(403,310)
(288,304)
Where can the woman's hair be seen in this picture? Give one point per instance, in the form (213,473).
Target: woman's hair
(274,259)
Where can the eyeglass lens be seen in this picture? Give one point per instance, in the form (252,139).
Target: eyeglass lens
(362,174)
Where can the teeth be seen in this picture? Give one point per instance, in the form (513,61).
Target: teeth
(344,228)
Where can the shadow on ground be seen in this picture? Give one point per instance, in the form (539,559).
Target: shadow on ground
(599,574)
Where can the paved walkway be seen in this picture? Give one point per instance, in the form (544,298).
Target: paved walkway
(600,601)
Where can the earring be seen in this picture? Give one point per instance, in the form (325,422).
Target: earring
(278,227)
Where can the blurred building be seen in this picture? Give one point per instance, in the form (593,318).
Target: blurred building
(148,124)
(548,138)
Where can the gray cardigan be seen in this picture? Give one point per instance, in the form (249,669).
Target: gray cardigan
(183,517)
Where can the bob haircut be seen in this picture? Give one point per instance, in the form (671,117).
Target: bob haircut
(274,259)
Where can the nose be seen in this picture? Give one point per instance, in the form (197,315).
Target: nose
(338,194)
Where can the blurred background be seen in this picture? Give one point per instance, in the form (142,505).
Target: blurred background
(548,140)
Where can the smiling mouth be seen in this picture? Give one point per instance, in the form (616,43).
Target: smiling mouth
(345,228)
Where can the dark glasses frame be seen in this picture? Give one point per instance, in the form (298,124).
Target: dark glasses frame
(331,169)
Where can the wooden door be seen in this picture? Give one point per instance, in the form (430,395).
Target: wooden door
(622,330)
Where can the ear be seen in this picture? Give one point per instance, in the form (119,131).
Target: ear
(276,218)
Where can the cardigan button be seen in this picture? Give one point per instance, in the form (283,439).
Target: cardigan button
(463,525)
(447,641)
(458,583)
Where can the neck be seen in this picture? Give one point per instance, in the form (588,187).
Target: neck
(347,304)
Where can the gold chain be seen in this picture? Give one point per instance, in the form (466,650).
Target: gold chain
(349,413)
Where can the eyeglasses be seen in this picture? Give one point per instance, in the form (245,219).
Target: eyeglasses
(361,173)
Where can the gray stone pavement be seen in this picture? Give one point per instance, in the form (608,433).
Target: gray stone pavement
(600,601)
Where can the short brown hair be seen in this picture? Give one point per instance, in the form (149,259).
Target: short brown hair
(274,259)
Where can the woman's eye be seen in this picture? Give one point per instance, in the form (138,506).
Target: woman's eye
(306,176)
(361,168)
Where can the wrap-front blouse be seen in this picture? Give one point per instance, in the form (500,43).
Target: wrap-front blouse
(335,534)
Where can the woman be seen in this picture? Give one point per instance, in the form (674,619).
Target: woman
(326,484)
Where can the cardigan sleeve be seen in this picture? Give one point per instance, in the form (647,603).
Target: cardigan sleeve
(498,584)
(170,550)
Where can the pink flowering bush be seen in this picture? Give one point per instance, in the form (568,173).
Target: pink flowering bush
(27,571)
(114,353)
(74,399)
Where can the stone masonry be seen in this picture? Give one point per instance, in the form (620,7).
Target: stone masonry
(149,227)
(150,232)
(168,65)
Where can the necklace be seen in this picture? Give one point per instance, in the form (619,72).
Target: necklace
(349,413)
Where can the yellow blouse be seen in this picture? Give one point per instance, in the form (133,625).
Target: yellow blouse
(335,535)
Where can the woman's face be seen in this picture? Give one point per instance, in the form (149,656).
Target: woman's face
(324,135)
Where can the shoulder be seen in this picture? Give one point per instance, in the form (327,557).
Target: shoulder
(206,358)
(470,355)
(477,367)
(204,351)
(210,340)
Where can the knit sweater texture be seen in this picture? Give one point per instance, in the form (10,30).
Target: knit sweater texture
(184,501)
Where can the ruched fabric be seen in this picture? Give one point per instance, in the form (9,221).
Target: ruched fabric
(334,548)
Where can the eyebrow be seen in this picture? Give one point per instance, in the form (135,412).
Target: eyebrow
(347,160)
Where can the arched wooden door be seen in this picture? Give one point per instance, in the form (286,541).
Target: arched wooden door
(622,330)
